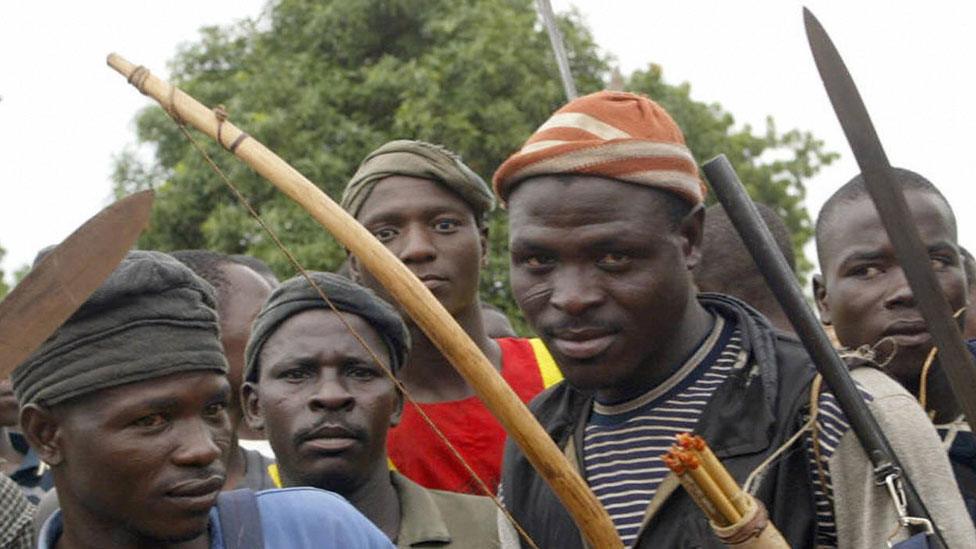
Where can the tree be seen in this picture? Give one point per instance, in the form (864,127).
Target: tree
(323,83)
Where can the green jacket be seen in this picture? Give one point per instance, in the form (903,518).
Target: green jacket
(434,518)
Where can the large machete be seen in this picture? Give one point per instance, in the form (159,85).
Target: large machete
(889,200)
(67,276)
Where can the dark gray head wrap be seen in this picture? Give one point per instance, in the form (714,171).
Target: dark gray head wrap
(417,159)
(151,318)
(297,295)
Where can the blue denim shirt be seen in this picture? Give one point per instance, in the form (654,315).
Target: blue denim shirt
(291,518)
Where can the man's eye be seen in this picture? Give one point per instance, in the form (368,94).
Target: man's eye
(384,235)
(446,225)
(362,373)
(866,271)
(151,421)
(537,261)
(614,260)
(940,262)
(294,374)
(215,409)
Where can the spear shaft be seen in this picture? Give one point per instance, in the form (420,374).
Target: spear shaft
(558,48)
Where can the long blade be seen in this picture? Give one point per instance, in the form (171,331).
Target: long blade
(67,276)
(893,210)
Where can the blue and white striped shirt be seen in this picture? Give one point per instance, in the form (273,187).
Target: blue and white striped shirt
(623,443)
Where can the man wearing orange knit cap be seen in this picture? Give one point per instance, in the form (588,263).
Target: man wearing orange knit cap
(606,214)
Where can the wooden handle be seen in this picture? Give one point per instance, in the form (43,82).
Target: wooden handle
(415,298)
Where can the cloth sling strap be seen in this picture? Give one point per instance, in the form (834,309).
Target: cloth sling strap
(240,521)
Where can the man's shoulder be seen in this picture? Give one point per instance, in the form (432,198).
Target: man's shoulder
(468,504)
(768,346)
(298,496)
(560,403)
(309,517)
(463,517)
(878,384)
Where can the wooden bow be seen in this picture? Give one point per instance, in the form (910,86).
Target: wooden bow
(591,518)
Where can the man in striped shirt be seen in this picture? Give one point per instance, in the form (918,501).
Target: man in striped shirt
(606,214)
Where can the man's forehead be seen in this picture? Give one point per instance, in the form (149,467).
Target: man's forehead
(574,200)
(387,197)
(177,388)
(855,228)
(313,330)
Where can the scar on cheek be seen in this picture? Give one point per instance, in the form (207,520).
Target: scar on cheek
(541,294)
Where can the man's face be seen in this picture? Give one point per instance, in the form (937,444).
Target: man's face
(240,303)
(146,456)
(323,401)
(863,292)
(8,404)
(601,275)
(433,231)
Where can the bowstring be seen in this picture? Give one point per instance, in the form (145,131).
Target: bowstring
(221,114)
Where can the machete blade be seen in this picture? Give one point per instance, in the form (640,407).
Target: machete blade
(67,276)
(889,200)
(845,98)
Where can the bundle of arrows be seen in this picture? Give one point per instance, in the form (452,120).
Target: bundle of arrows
(737,518)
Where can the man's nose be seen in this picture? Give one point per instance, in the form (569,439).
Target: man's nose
(331,394)
(417,246)
(900,292)
(574,291)
(198,446)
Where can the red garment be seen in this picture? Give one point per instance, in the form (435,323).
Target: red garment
(418,453)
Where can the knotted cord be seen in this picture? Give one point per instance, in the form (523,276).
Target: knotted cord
(137,79)
(923,380)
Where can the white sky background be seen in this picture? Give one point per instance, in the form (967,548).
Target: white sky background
(64,114)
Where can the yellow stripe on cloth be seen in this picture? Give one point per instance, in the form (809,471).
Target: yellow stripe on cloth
(547,366)
(274,474)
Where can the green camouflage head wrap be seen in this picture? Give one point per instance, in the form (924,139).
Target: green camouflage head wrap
(417,159)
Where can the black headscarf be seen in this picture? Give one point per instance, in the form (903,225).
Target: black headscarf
(151,318)
(297,295)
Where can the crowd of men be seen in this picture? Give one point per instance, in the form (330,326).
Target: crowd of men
(195,401)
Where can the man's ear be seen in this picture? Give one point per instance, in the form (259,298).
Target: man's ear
(251,406)
(484,243)
(355,269)
(398,411)
(820,296)
(692,229)
(43,432)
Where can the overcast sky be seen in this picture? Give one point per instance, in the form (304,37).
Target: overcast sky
(64,114)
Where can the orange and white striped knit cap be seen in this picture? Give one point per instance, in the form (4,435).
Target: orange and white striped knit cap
(617,135)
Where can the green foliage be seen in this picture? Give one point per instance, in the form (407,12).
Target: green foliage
(322,83)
